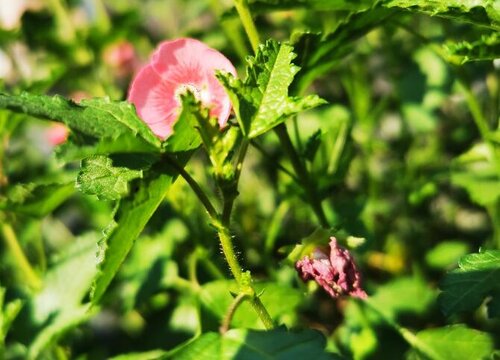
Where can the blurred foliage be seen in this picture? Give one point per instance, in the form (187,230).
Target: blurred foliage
(405,155)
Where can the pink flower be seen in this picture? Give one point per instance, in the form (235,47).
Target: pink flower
(56,134)
(175,67)
(336,272)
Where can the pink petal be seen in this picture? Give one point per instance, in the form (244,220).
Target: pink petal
(154,101)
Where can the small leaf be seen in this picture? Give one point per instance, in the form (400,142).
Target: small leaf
(453,342)
(465,288)
(99,177)
(261,101)
(486,48)
(250,344)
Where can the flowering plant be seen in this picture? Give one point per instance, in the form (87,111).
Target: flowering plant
(249,179)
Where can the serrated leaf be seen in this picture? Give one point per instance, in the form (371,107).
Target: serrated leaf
(483,13)
(36,199)
(453,342)
(133,213)
(100,120)
(486,48)
(319,54)
(261,101)
(465,288)
(185,137)
(99,177)
(250,344)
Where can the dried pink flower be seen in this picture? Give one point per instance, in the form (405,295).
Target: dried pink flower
(175,67)
(336,272)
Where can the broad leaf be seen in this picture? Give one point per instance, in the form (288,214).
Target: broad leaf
(465,288)
(110,124)
(99,177)
(452,342)
(132,215)
(251,344)
(261,101)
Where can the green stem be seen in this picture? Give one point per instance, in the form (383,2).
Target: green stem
(247,21)
(302,174)
(264,316)
(20,258)
(228,250)
(226,323)
(194,186)
(231,193)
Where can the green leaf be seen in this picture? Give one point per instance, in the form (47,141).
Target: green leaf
(465,288)
(476,171)
(319,54)
(185,137)
(149,355)
(251,344)
(8,313)
(216,299)
(261,101)
(483,13)
(36,199)
(445,254)
(397,297)
(453,342)
(486,48)
(58,307)
(133,213)
(112,125)
(99,177)
(263,6)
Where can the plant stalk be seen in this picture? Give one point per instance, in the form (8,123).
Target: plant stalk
(248,24)
(302,174)
(20,258)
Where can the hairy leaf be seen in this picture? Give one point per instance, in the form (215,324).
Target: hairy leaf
(465,288)
(261,101)
(251,344)
(94,121)
(99,177)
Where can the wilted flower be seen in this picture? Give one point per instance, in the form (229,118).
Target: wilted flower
(175,67)
(335,272)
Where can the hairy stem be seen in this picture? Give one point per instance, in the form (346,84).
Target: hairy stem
(302,174)
(20,258)
(226,322)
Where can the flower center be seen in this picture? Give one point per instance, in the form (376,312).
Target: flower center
(199,94)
